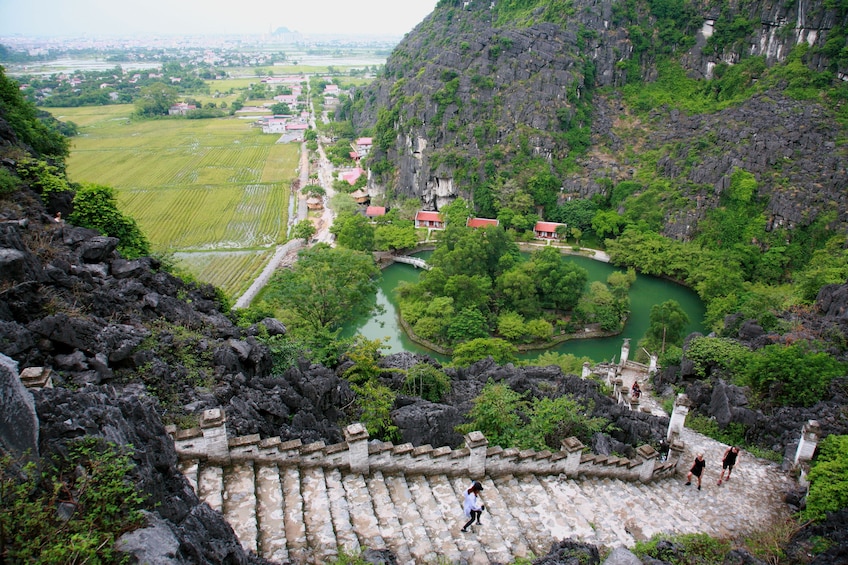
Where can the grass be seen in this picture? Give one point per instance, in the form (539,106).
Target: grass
(218,186)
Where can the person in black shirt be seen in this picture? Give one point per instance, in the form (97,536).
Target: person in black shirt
(727,462)
(697,470)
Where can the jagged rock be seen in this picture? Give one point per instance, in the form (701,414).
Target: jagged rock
(154,544)
(97,249)
(570,552)
(274,326)
(428,423)
(379,557)
(621,556)
(18,419)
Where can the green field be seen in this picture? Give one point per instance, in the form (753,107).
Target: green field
(217,188)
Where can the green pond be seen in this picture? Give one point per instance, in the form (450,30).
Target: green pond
(645,293)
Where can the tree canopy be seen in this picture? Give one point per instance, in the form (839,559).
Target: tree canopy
(326,287)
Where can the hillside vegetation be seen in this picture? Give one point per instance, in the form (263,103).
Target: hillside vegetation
(705,143)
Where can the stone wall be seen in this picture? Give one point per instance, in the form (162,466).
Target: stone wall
(209,442)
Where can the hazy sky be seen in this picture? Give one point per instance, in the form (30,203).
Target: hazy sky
(124,17)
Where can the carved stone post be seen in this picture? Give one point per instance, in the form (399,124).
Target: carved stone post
(477,445)
(214,428)
(574,448)
(356,437)
(678,417)
(625,352)
(652,366)
(810,434)
(649,456)
(675,452)
(586,370)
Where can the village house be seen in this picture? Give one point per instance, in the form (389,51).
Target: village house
(273,124)
(181,109)
(363,146)
(428,219)
(481,222)
(360,196)
(547,230)
(373,212)
(352,175)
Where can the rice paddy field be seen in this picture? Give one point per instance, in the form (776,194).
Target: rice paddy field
(213,192)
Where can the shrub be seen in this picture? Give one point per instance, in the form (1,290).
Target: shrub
(427,381)
(73,510)
(828,478)
(685,549)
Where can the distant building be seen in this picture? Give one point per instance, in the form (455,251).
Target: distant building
(481,222)
(375,212)
(363,146)
(181,109)
(352,175)
(427,219)
(546,230)
(359,196)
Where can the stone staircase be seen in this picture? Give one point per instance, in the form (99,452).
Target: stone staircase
(303,503)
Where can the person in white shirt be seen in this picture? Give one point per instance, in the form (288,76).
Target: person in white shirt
(473,506)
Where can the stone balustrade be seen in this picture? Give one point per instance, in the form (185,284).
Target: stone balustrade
(209,443)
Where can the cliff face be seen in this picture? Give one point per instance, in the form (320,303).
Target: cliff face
(464,95)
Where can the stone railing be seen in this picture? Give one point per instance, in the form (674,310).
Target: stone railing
(476,459)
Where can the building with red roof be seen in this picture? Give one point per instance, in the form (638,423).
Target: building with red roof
(375,211)
(428,219)
(546,230)
(481,222)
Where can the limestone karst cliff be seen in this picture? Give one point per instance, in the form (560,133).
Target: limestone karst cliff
(480,88)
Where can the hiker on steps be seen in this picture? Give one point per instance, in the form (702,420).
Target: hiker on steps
(473,506)
(727,462)
(697,470)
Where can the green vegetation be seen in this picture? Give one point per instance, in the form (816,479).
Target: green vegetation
(828,478)
(508,419)
(95,207)
(23,117)
(797,374)
(690,549)
(323,289)
(70,511)
(193,186)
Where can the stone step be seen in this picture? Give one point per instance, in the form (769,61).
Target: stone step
(210,486)
(295,526)
(309,514)
(270,513)
(551,518)
(346,537)
(438,526)
(387,518)
(485,543)
(317,516)
(569,499)
(239,503)
(410,519)
(527,516)
(362,515)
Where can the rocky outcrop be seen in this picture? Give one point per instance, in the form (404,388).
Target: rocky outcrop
(465,93)
(18,420)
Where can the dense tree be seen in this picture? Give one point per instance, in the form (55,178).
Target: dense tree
(560,283)
(304,230)
(155,99)
(21,116)
(475,350)
(96,207)
(394,236)
(354,232)
(791,375)
(666,325)
(325,287)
